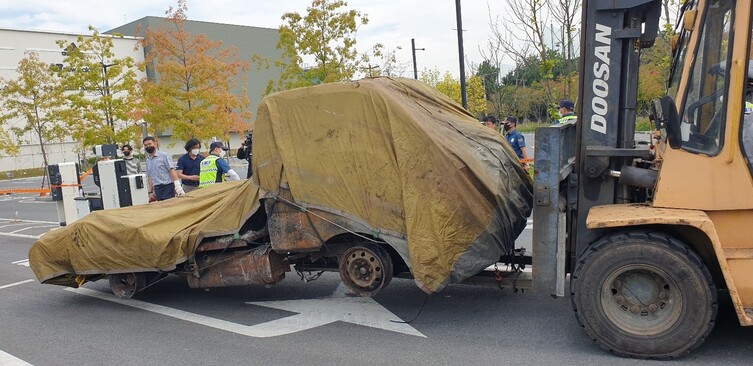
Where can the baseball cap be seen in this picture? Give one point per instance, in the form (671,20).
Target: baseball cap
(567,103)
(511,119)
(217,144)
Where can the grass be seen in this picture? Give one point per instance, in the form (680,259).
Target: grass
(22,173)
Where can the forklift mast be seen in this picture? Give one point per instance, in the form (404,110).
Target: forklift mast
(578,166)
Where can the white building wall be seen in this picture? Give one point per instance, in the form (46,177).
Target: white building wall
(13,47)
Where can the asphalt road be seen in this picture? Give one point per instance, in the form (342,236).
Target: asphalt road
(292,322)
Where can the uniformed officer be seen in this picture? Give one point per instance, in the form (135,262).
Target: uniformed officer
(213,169)
(567,112)
(516,139)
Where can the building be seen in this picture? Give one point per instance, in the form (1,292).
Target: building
(14,43)
(250,41)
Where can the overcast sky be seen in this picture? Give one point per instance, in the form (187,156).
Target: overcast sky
(392,23)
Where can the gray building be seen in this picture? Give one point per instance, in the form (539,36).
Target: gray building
(250,42)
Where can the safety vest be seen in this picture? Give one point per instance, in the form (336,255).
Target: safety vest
(568,119)
(748,107)
(208,172)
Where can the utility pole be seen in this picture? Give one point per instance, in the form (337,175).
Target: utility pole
(461,55)
(370,68)
(414,49)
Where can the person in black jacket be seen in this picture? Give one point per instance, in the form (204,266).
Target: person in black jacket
(244,152)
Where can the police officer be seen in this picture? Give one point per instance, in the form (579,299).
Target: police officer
(516,139)
(213,169)
(567,112)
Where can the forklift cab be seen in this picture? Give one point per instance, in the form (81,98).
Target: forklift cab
(649,236)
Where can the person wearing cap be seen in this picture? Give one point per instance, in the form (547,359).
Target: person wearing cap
(213,169)
(489,121)
(567,112)
(515,138)
(163,180)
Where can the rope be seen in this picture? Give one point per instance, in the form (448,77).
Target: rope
(304,209)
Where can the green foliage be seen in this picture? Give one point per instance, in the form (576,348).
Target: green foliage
(490,75)
(193,94)
(100,90)
(36,97)
(326,34)
(450,86)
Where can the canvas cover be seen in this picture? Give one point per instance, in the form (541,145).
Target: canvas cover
(156,237)
(446,192)
(403,158)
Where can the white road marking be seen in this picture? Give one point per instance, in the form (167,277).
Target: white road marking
(313,313)
(23,262)
(21,236)
(15,284)
(30,221)
(33,227)
(317,312)
(6,359)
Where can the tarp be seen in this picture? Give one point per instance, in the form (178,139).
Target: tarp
(392,153)
(154,237)
(404,158)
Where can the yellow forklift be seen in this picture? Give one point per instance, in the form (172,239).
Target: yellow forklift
(651,234)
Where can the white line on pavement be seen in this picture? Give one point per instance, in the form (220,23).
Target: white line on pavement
(23,262)
(21,236)
(33,227)
(6,359)
(15,284)
(30,221)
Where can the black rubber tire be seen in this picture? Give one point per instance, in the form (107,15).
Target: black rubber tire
(379,261)
(658,267)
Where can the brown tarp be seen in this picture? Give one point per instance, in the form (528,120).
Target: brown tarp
(404,158)
(447,193)
(142,238)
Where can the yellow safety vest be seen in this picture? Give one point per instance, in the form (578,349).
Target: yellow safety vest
(568,119)
(208,172)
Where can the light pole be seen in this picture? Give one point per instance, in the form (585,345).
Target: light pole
(461,54)
(414,49)
(110,120)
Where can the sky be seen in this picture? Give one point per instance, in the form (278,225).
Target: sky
(391,22)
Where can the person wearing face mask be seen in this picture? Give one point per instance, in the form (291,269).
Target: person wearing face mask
(163,180)
(213,168)
(516,139)
(188,168)
(133,166)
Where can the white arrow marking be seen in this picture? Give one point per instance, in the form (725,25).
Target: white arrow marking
(8,359)
(313,313)
(317,312)
(23,262)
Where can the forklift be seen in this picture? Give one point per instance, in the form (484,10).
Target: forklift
(651,234)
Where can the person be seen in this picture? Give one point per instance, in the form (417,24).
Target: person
(244,153)
(567,112)
(214,168)
(516,139)
(188,165)
(489,121)
(133,165)
(163,180)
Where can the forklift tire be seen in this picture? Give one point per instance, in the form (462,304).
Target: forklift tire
(644,294)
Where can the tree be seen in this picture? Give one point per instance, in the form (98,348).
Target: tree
(194,91)
(35,96)
(450,86)
(489,73)
(326,34)
(100,88)
(565,13)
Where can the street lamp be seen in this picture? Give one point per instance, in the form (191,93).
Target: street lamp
(107,93)
(414,49)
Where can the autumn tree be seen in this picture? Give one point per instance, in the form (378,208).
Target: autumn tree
(324,36)
(100,88)
(450,86)
(199,89)
(36,98)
